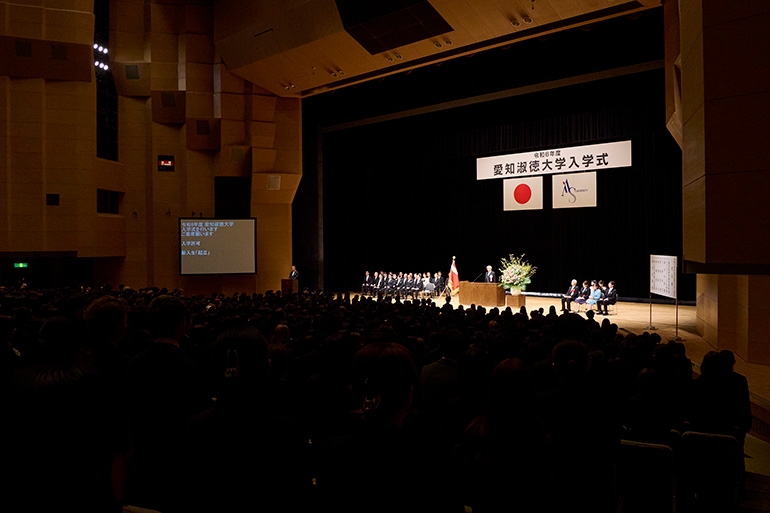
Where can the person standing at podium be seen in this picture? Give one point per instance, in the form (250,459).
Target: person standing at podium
(489,276)
(294,274)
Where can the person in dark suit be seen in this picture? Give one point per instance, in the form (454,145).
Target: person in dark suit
(582,296)
(489,276)
(294,274)
(569,296)
(368,283)
(610,298)
(439,283)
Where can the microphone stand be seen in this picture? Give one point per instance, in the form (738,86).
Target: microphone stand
(477,277)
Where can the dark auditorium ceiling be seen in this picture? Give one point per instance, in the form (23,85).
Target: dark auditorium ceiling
(300,48)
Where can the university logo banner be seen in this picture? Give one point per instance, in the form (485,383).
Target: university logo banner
(574,190)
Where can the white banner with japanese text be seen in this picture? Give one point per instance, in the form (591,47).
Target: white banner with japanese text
(558,160)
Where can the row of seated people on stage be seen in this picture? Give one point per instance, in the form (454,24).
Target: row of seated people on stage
(594,295)
(415,285)
(316,401)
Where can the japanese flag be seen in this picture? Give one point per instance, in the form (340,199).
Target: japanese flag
(523,193)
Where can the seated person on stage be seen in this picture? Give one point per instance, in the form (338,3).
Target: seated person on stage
(603,288)
(569,296)
(582,296)
(610,298)
(368,283)
(596,295)
(390,288)
(427,285)
(438,283)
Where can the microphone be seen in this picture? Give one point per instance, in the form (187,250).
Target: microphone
(479,276)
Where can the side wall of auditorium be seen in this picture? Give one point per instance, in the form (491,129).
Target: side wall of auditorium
(175,98)
(718,57)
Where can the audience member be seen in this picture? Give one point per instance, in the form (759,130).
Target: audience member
(165,387)
(382,466)
(505,459)
(241,454)
(585,432)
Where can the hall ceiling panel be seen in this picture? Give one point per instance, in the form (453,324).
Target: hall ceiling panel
(294,48)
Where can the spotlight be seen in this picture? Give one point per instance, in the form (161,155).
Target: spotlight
(398,56)
(438,45)
(96,46)
(448,42)
(527,19)
(515,22)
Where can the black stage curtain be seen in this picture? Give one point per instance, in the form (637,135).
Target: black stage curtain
(401,194)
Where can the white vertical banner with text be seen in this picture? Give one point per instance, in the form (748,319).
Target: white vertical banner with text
(523,193)
(663,271)
(574,190)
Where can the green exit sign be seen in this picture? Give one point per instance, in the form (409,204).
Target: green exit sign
(20,264)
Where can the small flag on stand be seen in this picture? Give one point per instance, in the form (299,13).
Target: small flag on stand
(454,278)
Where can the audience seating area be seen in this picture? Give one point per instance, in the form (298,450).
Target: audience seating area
(320,401)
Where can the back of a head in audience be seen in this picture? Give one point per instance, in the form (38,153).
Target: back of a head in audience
(106,318)
(167,317)
(240,362)
(570,360)
(386,375)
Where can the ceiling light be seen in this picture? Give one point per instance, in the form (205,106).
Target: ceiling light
(527,19)
(332,73)
(448,42)
(398,56)
(515,22)
(96,46)
(340,72)
(390,59)
(438,45)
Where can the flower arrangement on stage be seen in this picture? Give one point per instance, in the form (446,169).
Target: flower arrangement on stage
(515,272)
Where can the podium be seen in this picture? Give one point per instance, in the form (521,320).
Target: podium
(288,286)
(515,301)
(484,294)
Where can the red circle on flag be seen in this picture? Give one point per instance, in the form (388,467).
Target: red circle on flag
(522,193)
